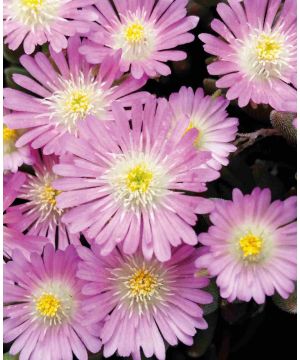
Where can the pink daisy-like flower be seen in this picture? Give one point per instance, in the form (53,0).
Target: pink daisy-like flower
(145,31)
(256,50)
(35,22)
(14,239)
(43,307)
(251,246)
(210,118)
(130,179)
(143,302)
(67,91)
(39,215)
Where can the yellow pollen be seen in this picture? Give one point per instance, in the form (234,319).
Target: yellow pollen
(139,178)
(32,4)
(48,195)
(134,33)
(48,305)
(78,103)
(9,135)
(250,245)
(267,48)
(142,284)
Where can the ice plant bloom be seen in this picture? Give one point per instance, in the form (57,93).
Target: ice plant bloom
(39,215)
(209,116)
(143,302)
(35,22)
(145,32)
(43,307)
(251,246)
(127,182)
(255,49)
(14,157)
(12,238)
(67,91)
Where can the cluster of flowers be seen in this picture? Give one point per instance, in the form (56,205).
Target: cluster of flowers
(120,170)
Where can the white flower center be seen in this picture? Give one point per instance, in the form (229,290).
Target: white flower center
(35,13)
(266,54)
(53,303)
(77,99)
(137,180)
(141,285)
(42,196)
(136,37)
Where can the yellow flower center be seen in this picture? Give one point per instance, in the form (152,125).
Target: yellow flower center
(48,305)
(193,126)
(134,33)
(78,103)
(268,48)
(48,195)
(32,4)
(9,135)
(142,284)
(139,178)
(250,245)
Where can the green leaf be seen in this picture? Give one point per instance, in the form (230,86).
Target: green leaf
(7,356)
(12,56)
(9,72)
(214,291)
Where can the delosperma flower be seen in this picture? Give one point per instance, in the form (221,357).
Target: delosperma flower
(43,307)
(36,22)
(131,178)
(143,302)
(39,215)
(210,118)
(66,91)
(12,238)
(147,34)
(251,246)
(256,50)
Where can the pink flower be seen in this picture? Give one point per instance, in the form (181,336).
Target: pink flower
(210,118)
(251,246)
(127,182)
(145,32)
(14,239)
(35,22)
(39,215)
(256,50)
(43,307)
(143,302)
(67,91)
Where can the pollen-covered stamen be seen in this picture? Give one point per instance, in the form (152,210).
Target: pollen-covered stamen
(35,13)
(41,194)
(251,246)
(134,33)
(142,284)
(137,180)
(10,137)
(48,305)
(268,48)
(76,99)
